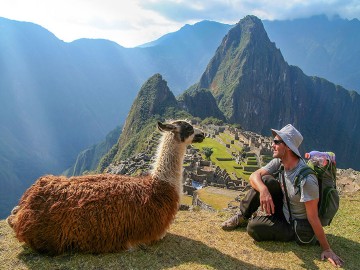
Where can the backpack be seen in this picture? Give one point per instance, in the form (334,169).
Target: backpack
(323,166)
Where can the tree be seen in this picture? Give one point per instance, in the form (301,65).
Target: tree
(207,152)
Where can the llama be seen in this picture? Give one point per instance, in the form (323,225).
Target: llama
(106,213)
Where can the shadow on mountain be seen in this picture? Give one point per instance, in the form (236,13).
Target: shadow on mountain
(172,251)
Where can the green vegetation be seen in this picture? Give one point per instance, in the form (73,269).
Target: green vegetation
(217,198)
(212,120)
(207,152)
(225,137)
(108,158)
(219,151)
(222,158)
(186,199)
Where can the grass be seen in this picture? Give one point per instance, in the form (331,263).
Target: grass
(226,137)
(220,151)
(195,241)
(186,199)
(217,198)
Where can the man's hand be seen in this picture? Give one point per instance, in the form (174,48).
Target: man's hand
(332,257)
(266,202)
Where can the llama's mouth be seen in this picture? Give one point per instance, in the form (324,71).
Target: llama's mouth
(198,138)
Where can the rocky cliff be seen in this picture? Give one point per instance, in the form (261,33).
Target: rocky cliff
(256,88)
(200,103)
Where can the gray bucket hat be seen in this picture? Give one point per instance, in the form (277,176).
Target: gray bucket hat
(291,137)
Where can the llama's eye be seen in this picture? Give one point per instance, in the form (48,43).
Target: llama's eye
(190,130)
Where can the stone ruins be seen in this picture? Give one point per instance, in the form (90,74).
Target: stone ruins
(249,150)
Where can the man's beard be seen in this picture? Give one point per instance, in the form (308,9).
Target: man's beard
(277,154)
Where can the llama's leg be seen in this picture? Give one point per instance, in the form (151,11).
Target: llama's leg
(163,235)
(10,219)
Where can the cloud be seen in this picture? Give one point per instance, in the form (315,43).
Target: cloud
(232,11)
(185,11)
(123,22)
(132,23)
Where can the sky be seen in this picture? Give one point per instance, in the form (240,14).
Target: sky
(134,22)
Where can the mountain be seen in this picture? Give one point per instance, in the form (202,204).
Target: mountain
(256,88)
(200,103)
(88,159)
(181,56)
(320,46)
(153,99)
(154,102)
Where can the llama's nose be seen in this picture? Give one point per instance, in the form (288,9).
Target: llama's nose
(199,137)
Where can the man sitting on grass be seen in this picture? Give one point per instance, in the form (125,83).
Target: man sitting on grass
(302,222)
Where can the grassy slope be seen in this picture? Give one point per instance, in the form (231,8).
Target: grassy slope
(220,151)
(195,241)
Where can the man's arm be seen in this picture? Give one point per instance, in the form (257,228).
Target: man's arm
(313,218)
(266,201)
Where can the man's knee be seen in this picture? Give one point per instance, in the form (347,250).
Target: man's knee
(252,231)
(271,182)
(257,228)
(273,186)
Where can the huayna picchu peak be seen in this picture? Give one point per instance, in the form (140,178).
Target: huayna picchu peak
(256,88)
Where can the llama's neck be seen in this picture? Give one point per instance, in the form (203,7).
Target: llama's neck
(169,161)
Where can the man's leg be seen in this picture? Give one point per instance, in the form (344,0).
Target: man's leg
(251,202)
(270,228)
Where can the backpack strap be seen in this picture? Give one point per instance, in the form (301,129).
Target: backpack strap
(305,171)
(282,179)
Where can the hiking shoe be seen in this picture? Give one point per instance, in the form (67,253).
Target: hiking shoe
(238,220)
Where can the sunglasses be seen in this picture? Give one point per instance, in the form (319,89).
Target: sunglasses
(277,142)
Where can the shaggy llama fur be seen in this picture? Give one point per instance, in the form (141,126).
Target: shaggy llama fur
(105,213)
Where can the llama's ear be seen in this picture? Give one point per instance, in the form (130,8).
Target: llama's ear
(165,127)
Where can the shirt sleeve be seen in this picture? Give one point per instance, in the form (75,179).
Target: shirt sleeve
(310,188)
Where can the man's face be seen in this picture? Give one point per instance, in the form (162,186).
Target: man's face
(279,147)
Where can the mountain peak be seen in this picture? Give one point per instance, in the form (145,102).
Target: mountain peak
(153,98)
(153,101)
(236,54)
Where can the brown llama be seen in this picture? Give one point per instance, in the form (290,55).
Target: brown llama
(106,213)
